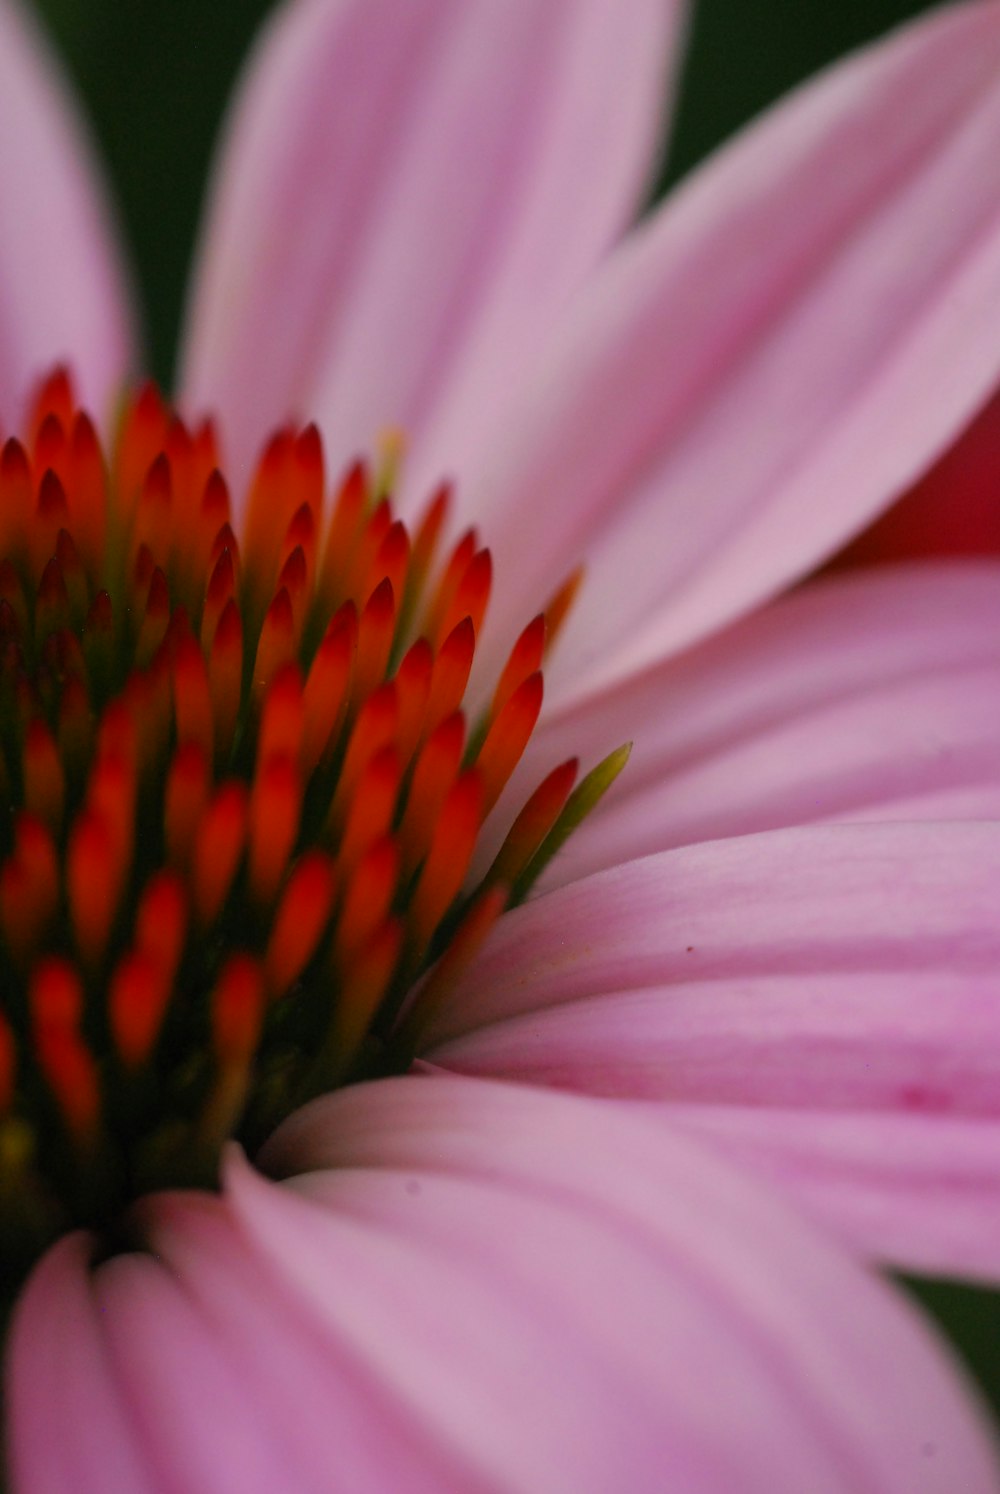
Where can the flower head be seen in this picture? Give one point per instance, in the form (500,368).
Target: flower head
(242,870)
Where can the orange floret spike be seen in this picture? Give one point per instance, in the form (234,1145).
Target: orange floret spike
(237,1012)
(220,590)
(137,1004)
(374,729)
(185,799)
(462,948)
(267,515)
(413,689)
(435,772)
(447,861)
(56,1003)
(93,884)
(218,851)
(525,659)
(43,776)
(301,535)
(533,824)
(393,558)
(29,888)
(342,537)
(161,922)
(74,578)
(362,992)
(51,515)
(89,493)
(51,601)
(155,618)
(275,807)
(558,607)
(16,499)
(154,511)
(428,535)
(54,398)
(452,668)
(361,579)
(366,900)
(193,697)
(300,921)
(293,579)
(376,627)
(140,443)
(372,806)
(307,478)
(451,578)
(225,676)
(507,738)
(471,596)
(276,646)
(280,732)
(327,688)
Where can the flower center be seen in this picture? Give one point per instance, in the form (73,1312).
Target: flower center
(243,798)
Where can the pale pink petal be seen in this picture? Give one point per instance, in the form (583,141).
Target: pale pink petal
(875,696)
(62,289)
(953,510)
(68,1427)
(848,968)
(407,197)
(775,355)
(922,1191)
(554,1286)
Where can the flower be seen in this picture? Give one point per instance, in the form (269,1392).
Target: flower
(464,1281)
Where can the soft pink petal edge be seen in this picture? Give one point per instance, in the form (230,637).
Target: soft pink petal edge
(872,695)
(64,295)
(765,363)
(850,969)
(404,199)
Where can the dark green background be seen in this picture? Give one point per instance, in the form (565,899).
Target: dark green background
(155,77)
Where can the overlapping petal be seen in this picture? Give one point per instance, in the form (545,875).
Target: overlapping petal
(62,291)
(407,198)
(850,968)
(874,696)
(545,1287)
(783,348)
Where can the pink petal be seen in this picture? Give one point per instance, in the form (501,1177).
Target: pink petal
(62,288)
(922,1191)
(760,369)
(841,969)
(874,695)
(68,1428)
(554,1285)
(953,510)
(407,197)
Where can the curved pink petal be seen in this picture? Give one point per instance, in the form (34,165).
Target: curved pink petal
(953,510)
(764,365)
(874,696)
(554,1284)
(68,1427)
(407,197)
(920,1190)
(62,288)
(849,968)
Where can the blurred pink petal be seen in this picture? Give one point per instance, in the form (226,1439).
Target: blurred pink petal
(784,347)
(549,1286)
(407,198)
(850,968)
(873,696)
(62,291)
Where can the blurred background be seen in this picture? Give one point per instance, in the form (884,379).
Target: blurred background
(154,80)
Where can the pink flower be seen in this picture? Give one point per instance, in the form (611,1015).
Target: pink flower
(778,931)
